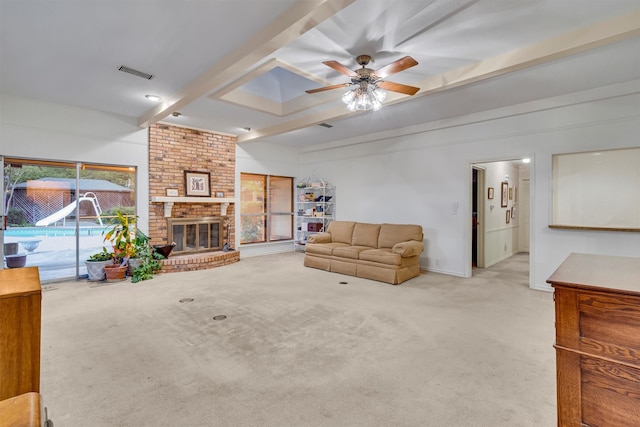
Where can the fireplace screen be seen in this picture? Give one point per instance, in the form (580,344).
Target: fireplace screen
(194,234)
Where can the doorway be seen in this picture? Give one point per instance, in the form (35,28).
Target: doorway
(500,212)
(477,217)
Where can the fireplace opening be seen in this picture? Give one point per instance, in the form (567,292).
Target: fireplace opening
(192,235)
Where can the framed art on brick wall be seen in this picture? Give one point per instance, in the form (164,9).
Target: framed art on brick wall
(197,183)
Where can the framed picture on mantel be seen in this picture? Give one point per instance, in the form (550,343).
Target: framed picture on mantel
(197,183)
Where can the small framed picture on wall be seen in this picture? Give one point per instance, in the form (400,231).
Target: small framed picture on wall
(504,195)
(490,193)
(508,216)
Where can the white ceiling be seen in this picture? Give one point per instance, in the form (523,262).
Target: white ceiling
(230,64)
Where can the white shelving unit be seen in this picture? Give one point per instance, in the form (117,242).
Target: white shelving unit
(314,210)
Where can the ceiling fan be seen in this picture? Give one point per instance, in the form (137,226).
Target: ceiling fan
(366,82)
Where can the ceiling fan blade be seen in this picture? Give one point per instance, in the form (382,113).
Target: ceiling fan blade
(395,67)
(340,68)
(322,89)
(398,87)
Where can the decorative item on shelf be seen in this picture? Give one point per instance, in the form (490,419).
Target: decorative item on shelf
(219,194)
(172,192)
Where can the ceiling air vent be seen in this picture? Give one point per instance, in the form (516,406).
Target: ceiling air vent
(126,69)
(325,125)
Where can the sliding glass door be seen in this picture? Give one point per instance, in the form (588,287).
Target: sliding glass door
(55,212)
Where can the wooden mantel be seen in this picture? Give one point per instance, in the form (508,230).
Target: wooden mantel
(169,201)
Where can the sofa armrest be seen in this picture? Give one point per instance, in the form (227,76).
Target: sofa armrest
(407,249)
(319,238)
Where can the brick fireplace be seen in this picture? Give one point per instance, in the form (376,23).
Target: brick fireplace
(173,150)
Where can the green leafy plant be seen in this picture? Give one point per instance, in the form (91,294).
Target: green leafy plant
(122,237)
(129,242)
(101,256)
(150,259)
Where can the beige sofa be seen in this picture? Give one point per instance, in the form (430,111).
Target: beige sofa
(384,252)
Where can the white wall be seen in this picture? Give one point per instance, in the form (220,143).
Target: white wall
(423,174)
(39,130)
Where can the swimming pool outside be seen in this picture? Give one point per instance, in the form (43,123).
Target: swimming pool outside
(52,231)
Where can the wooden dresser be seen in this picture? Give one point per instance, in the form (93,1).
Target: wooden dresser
(20,299)
(597,304)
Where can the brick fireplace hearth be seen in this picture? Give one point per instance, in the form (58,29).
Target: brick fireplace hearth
(172,151)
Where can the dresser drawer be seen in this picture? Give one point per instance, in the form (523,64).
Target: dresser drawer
(609,326)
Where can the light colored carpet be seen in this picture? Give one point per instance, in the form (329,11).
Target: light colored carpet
(300,349)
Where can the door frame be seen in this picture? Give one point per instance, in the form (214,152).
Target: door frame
(532,218)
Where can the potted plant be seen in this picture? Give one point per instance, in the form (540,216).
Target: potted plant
(122,238)
(131,249)
(147,260)
(95,265)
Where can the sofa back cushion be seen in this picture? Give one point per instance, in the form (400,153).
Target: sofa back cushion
(341,231)
(390,234)
(366,235)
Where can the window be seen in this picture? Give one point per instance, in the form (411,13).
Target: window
(266,208)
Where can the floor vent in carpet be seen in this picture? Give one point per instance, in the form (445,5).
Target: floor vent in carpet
(219,317)
(186,300)
(344,283)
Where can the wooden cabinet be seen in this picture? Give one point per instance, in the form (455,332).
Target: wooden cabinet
(20,299)
(597,303)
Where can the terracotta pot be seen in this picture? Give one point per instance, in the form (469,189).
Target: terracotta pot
(115,272)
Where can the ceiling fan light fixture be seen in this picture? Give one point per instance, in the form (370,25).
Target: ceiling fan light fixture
(368,90)
(364,97)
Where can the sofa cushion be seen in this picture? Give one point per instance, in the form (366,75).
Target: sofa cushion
(351,252)
(390,234)
(382,256)
(341,231)
(323,248)
(365,235)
